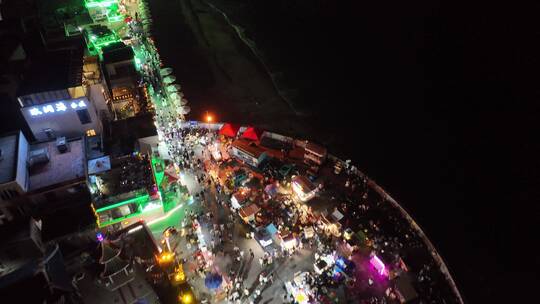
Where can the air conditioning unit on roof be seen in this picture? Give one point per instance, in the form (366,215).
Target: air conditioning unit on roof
(61,144)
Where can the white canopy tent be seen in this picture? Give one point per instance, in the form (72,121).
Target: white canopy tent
(166,71)
(169,79)
(174,87)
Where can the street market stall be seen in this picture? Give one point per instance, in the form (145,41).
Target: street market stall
(303,188)
(299,289)
(248,212)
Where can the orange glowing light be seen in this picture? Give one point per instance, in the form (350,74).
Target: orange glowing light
(166,257)
(208,117)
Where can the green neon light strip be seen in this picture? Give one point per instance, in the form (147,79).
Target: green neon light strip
(138,200)
(166,216)
(158,175)
(118,220)
(115,18)
(99,3)
(154,221)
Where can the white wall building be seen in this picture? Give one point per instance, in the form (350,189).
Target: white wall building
(70,118)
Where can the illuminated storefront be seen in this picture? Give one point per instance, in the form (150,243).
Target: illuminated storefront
(298,289)
(69,118)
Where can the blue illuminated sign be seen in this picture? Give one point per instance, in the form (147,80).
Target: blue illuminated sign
(56,107)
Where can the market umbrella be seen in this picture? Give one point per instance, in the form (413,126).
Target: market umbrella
(184,110)
(176,96)
(213,281)
(174,87)
(166,71)
(169,79)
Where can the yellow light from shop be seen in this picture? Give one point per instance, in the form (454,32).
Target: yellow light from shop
(166,257)
(179,276)
(186,299)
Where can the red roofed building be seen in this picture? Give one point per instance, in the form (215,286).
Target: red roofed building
(229,130)
(252,133)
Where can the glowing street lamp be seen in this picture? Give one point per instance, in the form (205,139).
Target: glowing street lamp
(209,117)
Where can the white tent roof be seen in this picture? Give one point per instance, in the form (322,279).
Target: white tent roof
(337,215)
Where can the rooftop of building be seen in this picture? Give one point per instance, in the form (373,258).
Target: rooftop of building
(8,157)
(54,13)
(305,183)
(37,274)
(13,234)
(127,177)
(117,52)
(61,167)
(122,134)
(249,147)
(54,70)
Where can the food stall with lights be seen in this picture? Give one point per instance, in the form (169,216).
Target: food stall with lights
(323,263)
(303,188)
(343,268)
(378,265)
(299,289)
(309,232)
(239,198)
(248,213)
(289,241)
(215,151)
(330,224)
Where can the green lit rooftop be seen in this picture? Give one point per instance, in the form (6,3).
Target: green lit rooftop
(100,3)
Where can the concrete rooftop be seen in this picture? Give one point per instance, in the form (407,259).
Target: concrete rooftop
(62,167)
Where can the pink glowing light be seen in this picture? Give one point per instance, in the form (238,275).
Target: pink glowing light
(379,265)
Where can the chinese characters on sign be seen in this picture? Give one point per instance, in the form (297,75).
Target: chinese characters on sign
(56,107)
